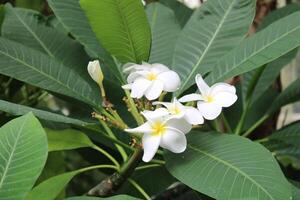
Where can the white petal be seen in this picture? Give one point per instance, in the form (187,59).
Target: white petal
(174,141)
(144,128)
(159,68)
(150,144)
(203,87)
(165,104)
(137,74)
(225,99)
(128,67)
(178,124)
(171,81)
(209,111)
(191,97)
(193,115)
(154,90)
(192,4)
(222,87)
(151,115)
(127,87)
(139,87)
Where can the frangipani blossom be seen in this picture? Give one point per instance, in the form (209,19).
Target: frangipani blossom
(192,4)
(159,130)
(150,80)
(177,110)
(95,71)
(212,99)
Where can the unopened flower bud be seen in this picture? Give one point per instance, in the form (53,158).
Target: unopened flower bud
(95,71)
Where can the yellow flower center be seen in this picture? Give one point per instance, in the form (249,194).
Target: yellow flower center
(209,99)
(158,128)
(175,110)
(151,76)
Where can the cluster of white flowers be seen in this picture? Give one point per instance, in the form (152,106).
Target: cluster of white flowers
(167,126)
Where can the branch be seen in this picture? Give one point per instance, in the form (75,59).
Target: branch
(111,184)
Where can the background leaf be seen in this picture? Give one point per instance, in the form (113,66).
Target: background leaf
(67,139)
(214,29)
(165,29)
(29,28)
(23,153)
(17,110)
(121,27)
(274,41)
(117,197)
(1,16)
(226,167)
(33,67)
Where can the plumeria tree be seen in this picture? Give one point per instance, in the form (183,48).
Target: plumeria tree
(154,100)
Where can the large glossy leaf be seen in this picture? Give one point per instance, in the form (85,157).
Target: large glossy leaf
(70,14)
(229,167)
(17,109)
(117,197)
(1,16)
(29,28)
(35,68)
(271,71)
(287,96)
(274,41)
(211,32)
(23,153)
(182,12)
(121,27)
(67,139)
(165,29)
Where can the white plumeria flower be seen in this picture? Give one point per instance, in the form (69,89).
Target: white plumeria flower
(150,80)
(95,71)
(177,110)
(160,130)
(212,99)
(192,4)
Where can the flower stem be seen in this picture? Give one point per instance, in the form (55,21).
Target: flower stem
(134,111)
(147,167)
(112,135)
(240,125)
(139,188)
(105,153)
(257,124)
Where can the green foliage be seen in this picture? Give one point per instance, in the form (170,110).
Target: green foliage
(121,27)
(32,4)
(1,15)
(23,155)
(67,139)
(213,30)
(165,29)
(16,109)
(207,167)
(117,197)
(259,49)
(38,69)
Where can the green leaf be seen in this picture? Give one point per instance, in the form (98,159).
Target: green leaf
(1,16)
(121,27)
(182,12)
(165,29)
(70,14)
(32,4)
(23,153)
(51,188)
(287,96)
(214,29)
(117,197)
(296,189)
(289,134)
(17,110)
(29,28)
(274,41)
(33,67)
(67,139)
(271,71)
(229,167)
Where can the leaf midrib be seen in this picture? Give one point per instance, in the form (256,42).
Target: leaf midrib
(232,167)
(12,154)
(33,34)
(257,52)
(46,75)
(209,44)
(129,35)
